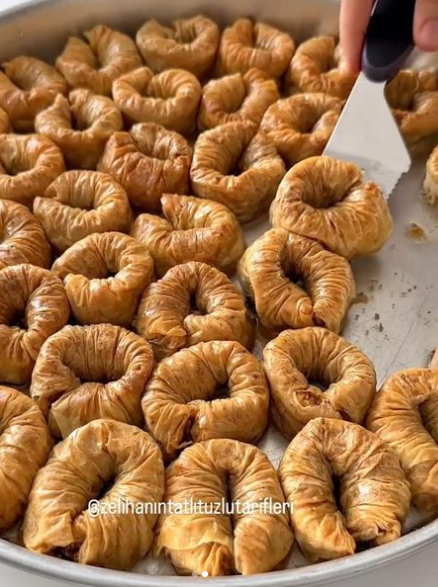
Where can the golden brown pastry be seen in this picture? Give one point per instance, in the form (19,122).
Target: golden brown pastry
(300,126)
(190,44)
(80,203)
(192,230)
(236,167)
(25,444)
(88,372)
(373,491)
(413,96)
(245,45)
(148,162)
(33,305)
(96,64)
(237,97)
(180,406)
(170,98)
(317,67)
(430,185)
(104,276)
(27,87)
(249,541)
(272,268)
(104,456)
(192,303)
(405,416)
(28,165)
(297,360)
(5,122)
(327,200)
(80,125)
(23,239)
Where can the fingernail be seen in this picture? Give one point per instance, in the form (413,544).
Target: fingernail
(429,35)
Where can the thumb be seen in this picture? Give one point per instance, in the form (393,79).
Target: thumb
(426,25)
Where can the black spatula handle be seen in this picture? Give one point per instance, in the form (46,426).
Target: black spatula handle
(389,39)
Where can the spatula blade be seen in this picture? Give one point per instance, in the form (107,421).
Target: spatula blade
(367,135)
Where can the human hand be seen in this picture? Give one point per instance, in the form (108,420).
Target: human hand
(354,18)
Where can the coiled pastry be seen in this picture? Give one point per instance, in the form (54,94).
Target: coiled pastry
(5,122)
(23,239)
(236,98)
(297,360)
(373,491)
(27,87)
(430,185)
(327,200)
(236,167)
(271,269)
(190,44)
(28,165)
(148,162)
(80,203)
(245,45)
(33,305)
(180,407)
(192,229)
(97,63)
(413,96)
(88,372)
(80,125)
(316,67)
(192,303)
(301,125)
(105,457)
(25,444)
(209,473)
(169,98)
(405,416)
(104,276)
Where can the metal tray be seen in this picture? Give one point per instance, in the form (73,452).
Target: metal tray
(395,320)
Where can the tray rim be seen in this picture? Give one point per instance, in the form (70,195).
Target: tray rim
(318,574)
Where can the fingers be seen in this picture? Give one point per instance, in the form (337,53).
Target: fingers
(354,18)
(426,25)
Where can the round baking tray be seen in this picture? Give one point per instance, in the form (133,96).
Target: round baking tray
(395,320)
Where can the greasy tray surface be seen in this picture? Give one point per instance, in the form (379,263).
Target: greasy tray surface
(395,320)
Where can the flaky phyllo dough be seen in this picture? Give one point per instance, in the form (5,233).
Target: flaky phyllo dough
(294,282)
(316,67)
(88,372)
(80,125)
(326,199)
(193,229)
(96,64)
(238,167)
(28,165)
(27,87)
(80,203)
(405,415)
(222,544)
(245,45)
(104,276)
(181,404)
(301,125)
(108,461)
(430,185)
(148,161)
(190,44)
(373,491)
(192,303)
(25,444)
(297,360)
(236,98)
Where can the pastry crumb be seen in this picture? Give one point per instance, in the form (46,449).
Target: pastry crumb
(416,233)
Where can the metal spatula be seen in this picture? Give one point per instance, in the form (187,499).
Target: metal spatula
(366,133)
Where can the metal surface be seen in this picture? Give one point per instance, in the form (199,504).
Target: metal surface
(366,134)
(395,319)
